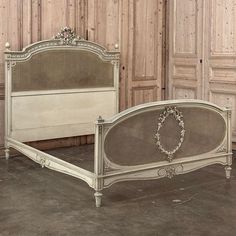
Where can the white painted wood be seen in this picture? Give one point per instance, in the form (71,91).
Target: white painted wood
(107,173)
(40,117)
(152,173)
(51,162)
(221,154)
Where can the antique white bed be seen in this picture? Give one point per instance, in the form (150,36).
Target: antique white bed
(57,88)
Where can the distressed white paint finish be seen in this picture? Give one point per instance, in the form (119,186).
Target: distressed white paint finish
(43,115)
(107,173)
(114,173)
(40,117)
(53,163)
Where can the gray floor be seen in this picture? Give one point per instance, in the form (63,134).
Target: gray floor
(36,201)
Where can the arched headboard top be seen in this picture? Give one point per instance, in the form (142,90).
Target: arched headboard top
(66,39)
(65,62)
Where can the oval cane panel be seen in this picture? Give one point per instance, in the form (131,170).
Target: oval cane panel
(134,141)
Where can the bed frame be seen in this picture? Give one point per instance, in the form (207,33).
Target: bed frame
(149,141)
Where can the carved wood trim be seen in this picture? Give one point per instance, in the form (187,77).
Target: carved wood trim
(54,143)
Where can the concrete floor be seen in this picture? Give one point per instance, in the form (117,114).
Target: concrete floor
(36,201)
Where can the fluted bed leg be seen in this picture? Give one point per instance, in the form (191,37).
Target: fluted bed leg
(98,198)
(7,153)
(228,172)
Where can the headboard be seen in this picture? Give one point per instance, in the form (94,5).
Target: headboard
(58,88)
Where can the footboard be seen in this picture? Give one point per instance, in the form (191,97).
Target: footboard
(162,139)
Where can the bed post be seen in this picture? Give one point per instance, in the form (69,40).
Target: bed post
(7,101)
(229,145)
(98,161)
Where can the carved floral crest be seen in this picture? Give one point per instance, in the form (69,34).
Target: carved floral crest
(177,115)
(67,35)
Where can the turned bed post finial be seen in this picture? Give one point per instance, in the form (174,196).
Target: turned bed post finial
(7,46)
(100,119)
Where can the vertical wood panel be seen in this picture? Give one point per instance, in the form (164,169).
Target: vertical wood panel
(35,20)
(53,17)
(124,48)
(220,53)
(145,51)
(185,26)
(185,49)
(223,28)
(103,22)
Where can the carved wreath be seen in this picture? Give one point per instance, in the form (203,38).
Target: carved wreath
(179,118)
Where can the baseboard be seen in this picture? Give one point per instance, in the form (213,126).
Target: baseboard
(54,143)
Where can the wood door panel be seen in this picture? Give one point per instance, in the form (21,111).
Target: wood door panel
(181,92)
(185,54)
(220,53)
(222,74)
(144,39)
(143,94)
(185,27)
(185,71)
(145,51)
(223,27)
(104,22)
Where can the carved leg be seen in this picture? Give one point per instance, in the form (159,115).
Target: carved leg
(7,150)
(228,172)
(98,198)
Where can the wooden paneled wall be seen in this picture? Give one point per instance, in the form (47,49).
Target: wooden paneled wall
(135,25)
(202,52)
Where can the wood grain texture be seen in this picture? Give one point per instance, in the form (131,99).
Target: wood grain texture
(202,52)
(135,26)
(144,64)
(220,55)
(185,49)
